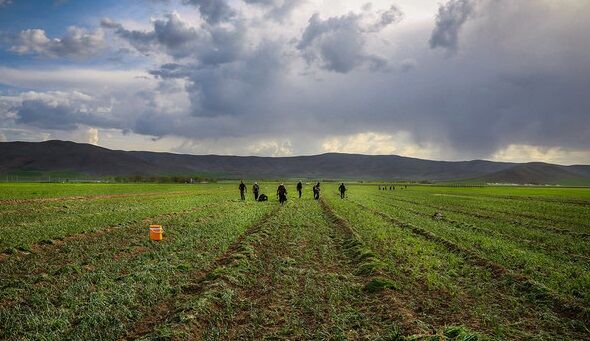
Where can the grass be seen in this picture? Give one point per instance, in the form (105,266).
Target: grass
(499,263)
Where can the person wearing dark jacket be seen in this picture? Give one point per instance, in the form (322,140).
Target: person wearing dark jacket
(255,190)
(242,190)
(282,193)
(299,188)
(342,190)
(316,191)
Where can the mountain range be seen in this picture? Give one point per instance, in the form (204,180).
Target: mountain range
(93,161)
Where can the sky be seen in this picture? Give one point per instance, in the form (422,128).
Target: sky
(504,80)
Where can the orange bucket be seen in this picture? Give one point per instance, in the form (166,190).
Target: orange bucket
(156,232)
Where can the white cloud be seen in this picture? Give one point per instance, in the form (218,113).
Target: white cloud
(338,43)
(75,78)
(373,143)
(527,153)
(77,43)
(91,136)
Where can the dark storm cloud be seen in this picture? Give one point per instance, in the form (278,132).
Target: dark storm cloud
(61,116)
(338,43)
(171,33)
(278,10)
(509,85)
(214,11)
(391,16)
(240,89)
(449,20)
(475,103)
(210,45)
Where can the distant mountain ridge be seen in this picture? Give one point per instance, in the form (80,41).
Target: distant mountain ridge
(97,161)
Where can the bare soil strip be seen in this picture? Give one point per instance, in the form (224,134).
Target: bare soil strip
(566,307)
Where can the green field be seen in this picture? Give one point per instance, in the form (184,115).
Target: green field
(415,263)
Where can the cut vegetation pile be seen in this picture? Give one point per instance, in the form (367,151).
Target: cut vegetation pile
(422,263)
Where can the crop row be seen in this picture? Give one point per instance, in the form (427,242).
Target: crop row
(568,279)
(562,244)
(433,276)
(100,288)
(22,230)
(23,191)
(558,214)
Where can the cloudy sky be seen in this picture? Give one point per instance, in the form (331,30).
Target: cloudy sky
(440,79)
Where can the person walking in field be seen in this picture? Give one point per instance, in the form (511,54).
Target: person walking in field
(342,190)
(242,190)
(299,188)
(316,191)
(255,190)
(282,193)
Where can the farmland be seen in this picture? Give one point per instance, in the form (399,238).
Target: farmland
(421,262)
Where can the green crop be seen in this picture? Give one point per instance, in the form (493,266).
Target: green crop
(416,263)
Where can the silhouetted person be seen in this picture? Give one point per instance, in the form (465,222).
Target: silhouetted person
(255,189)
(299,188)
(282,193)
(342,190)
(316,191)
(242,190)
